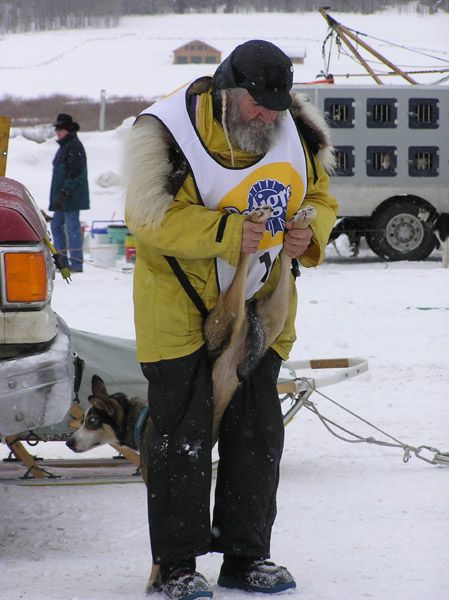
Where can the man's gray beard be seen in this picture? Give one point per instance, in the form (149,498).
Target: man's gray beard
(255,136)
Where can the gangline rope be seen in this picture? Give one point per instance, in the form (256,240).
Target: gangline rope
(435,456)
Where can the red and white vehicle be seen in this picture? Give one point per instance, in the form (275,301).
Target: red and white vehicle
(36,363)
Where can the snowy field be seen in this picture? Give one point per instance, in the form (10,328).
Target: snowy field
(135,59)
(354,522)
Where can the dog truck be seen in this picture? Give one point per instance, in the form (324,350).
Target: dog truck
(392,175)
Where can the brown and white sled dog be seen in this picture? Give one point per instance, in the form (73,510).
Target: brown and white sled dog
(120,421)
(237,335)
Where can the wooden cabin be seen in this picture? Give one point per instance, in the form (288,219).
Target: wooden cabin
(197,52)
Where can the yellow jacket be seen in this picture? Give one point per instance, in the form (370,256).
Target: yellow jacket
(168,325)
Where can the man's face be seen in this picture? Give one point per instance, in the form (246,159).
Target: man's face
(252,127)
(61,133)
(250,110)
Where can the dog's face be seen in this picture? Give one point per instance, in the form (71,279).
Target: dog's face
(101,421)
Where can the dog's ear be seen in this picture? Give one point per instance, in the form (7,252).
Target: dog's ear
(103,404)
(98,387)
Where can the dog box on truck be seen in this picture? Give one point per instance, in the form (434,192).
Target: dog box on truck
(392,175)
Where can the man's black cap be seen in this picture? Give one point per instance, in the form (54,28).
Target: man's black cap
(261,68)
(64,121)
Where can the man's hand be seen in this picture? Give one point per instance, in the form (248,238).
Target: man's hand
(252,234)
(296,241)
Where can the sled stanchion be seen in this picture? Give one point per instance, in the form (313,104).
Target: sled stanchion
(287,387)
(346,368)
(22,455)
(298,389)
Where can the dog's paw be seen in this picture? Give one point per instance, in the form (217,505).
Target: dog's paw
(152,587)
(260,214)
(304,217)
(154,582)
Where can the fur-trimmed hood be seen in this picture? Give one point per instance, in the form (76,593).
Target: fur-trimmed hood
(147,168)
(146,172)
(315,130)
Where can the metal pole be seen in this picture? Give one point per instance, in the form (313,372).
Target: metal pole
(102,109)
(382,58)
(358,55)
(345,33)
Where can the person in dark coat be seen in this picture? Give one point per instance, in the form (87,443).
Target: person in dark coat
(69,191)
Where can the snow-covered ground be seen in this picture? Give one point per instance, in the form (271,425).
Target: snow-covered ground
(354,521)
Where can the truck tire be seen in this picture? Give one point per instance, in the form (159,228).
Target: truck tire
(401,230)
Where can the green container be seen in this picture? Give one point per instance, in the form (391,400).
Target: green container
(117,235)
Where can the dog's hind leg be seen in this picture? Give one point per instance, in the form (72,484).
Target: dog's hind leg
(225,332)
(273,310)
(229,311)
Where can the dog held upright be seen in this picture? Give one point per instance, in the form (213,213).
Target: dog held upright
(238,333)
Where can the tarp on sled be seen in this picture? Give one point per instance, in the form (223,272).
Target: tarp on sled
(113,359)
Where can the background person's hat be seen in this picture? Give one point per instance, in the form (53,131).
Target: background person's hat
(261,68)
(64,121)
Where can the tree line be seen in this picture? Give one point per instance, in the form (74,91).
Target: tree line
(39,15)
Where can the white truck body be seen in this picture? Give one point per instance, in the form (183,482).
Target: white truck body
(392,148)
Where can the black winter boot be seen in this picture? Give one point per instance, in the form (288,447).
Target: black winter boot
(254,575)
(180,581)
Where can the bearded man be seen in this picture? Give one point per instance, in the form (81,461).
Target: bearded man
(197,163)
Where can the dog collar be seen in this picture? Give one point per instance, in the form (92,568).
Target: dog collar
(141,418)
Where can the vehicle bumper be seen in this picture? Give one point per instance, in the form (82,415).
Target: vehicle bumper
(37,390)
(27,327)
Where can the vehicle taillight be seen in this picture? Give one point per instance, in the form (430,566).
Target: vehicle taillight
(25,277)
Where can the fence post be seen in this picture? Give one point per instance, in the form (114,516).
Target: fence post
(5,125)
(102,109)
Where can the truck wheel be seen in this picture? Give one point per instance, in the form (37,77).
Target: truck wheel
(401,230)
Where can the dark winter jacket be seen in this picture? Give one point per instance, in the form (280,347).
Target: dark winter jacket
(69,186)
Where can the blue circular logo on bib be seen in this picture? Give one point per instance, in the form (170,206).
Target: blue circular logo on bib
(272,193)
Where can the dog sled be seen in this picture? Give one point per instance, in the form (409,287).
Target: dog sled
(113,359)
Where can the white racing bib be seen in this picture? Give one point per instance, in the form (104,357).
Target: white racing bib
(278,180)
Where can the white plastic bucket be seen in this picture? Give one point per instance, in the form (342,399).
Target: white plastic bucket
(98,235)
(104,255)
